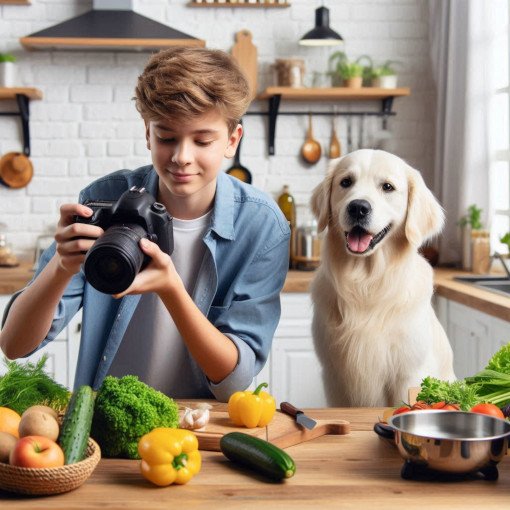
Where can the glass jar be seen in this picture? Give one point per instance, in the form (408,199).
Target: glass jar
(480,252)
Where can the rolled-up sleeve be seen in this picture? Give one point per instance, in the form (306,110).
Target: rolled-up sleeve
(250,320)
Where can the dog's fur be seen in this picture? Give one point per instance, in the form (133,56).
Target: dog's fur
(374,329)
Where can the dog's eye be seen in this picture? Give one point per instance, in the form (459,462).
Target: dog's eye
(387,187)
(345,183)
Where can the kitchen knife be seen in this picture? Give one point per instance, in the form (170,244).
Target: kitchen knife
(301,418)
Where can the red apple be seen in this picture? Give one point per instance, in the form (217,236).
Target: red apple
(36,452)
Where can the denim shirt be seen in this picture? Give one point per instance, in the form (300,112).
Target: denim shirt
(238,285)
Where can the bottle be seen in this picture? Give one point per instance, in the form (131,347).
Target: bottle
(480,252)
(288,207)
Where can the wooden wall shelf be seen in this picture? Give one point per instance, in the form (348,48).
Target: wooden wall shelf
(332,93)
(22,96)
(237,5)
(274,95)
(11,92)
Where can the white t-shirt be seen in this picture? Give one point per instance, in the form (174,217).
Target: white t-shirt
(152,347)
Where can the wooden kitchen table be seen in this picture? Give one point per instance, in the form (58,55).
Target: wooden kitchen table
(355,471)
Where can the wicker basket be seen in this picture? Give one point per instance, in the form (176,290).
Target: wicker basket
(45,481)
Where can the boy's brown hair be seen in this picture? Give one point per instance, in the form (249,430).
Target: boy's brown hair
(187,82)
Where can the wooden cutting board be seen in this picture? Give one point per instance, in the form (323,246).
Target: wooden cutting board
(282,431)
(245,53)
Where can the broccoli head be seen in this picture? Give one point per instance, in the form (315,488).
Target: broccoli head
(126,409)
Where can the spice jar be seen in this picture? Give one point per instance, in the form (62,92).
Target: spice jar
(290,72)
(480,252)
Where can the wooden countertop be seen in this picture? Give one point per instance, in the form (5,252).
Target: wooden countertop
(13,279)
(354,471)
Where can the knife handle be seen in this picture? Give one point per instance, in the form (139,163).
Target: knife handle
(288,408)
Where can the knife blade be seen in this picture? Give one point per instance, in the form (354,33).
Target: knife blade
(301,418)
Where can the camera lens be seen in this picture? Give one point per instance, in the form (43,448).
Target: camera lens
(115,259)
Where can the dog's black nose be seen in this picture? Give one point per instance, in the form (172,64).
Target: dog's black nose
(359,209)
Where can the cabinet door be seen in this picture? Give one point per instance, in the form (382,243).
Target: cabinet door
(469,332)
(295,370)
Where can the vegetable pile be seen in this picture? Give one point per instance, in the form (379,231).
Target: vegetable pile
(491,385)
(125,410)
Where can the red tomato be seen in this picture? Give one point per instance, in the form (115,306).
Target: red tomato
(490,409)
(443,406)
(420,404)
(400,410)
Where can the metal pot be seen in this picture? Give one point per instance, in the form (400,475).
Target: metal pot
(450,441)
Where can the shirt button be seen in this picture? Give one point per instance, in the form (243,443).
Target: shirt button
(104,358)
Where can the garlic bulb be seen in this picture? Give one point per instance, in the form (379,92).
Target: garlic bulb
(194,419)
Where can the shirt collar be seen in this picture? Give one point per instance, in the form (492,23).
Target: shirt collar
(223,212)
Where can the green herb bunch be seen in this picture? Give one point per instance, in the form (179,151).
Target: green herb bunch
(27,384)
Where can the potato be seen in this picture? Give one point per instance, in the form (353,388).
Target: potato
(7,442)
(44,409)
(38,423)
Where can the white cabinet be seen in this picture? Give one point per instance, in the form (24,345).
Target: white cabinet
(293,371)
(474,336)
(62,353)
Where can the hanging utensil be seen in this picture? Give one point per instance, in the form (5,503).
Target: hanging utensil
(349,134)
(16,170)
(361,133)
(237,170)
(335,150)
(311,148)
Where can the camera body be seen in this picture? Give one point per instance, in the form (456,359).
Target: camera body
(115,259)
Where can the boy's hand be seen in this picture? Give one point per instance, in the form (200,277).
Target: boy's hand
(157,276)
(74,239)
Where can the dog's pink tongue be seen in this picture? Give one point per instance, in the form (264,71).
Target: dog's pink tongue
(359,242)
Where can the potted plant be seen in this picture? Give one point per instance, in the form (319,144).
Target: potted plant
(368,69)
(385,76)
(505,258)
(349,73)
(470,222)
(7,70)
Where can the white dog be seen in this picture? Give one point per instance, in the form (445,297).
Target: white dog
(375,331)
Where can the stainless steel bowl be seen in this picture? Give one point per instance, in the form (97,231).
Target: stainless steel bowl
(450,441)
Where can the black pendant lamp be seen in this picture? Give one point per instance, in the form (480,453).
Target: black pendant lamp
(321,35)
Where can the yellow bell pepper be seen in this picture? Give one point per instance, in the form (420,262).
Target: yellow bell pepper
(251,408)
(169,456)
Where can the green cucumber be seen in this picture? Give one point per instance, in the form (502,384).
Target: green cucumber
(75,429)
(257,454)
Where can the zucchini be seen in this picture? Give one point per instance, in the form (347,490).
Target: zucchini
(75,429)
(257,454)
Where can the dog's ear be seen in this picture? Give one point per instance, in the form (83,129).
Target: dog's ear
(425,217)
(320,201)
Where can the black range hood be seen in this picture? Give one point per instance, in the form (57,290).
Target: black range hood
(110,25)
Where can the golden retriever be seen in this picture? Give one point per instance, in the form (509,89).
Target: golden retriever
(374,329)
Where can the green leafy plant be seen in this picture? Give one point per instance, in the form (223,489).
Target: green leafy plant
(7,57)
(472,218)
(344,68)
(368,69)
(385,69)
(506,240)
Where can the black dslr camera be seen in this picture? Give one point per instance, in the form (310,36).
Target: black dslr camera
(116,258)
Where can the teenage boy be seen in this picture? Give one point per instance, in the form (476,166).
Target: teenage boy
(198,323)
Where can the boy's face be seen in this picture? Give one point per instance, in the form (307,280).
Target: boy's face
(187,157)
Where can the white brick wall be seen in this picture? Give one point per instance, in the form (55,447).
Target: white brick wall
(87,125)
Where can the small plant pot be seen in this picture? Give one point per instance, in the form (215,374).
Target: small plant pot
(7,74)
(385,82)
(353,83)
